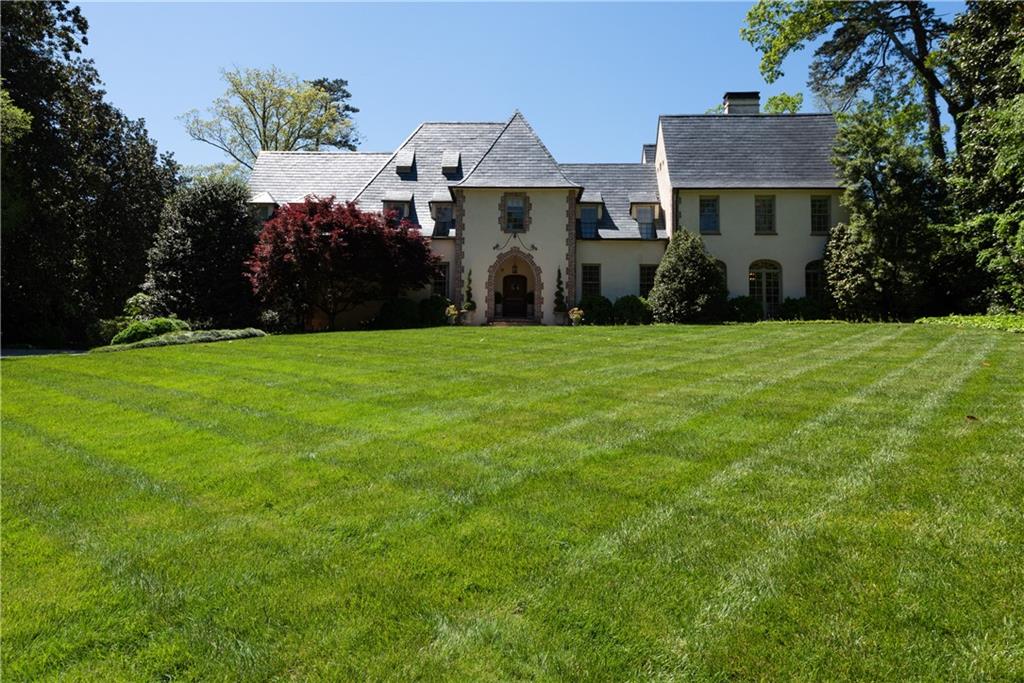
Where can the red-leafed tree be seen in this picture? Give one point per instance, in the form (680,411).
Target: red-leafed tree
(332,257)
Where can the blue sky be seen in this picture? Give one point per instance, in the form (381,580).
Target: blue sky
(591,78)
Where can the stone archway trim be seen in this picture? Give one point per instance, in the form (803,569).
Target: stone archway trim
(538,284)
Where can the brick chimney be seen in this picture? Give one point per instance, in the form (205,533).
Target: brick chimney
(742,102)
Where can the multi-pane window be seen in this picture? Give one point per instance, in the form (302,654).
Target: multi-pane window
(821,215)
(401,209)
(724,271)
(439,285)
(647,273)
(764,214)
(515,214)
(588,221)
(814,280)
(591,280)
(709,215)
(444,222)
(766,286)
(645,219)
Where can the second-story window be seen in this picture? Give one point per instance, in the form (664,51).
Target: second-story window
(400,208)
(444,222)
(515,212)
(588,221)
(709,215)
(821,215)
(764,215)
(645,219)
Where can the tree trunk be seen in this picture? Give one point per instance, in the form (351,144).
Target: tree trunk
(931,101)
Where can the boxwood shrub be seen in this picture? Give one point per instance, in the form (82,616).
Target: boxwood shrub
(632,310)
(432,311)
(397,314)
(144,329)
(597,310)
(745,309)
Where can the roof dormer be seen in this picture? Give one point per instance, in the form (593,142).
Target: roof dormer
(451,159)
(405,160)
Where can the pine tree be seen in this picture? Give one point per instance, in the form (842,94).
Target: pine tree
(469,304)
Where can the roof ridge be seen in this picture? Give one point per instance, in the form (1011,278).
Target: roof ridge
(518,114)
(488,151)
(385,164)
(465,123)
(744,116)
(337,152)
(544,147)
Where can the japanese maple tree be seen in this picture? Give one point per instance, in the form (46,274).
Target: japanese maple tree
(331,256)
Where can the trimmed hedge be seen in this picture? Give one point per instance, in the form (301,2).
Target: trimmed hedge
(186,337)
(1009,322)
(597,310)
(803,308)
(632,310)
(744,309)
(144,329)
(397,314)
(432,311)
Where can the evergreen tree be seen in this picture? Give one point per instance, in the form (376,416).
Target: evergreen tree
(560,304)
(688,287)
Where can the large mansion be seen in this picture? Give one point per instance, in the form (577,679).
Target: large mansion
(760,189)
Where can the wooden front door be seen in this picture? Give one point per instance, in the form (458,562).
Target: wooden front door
(513,296)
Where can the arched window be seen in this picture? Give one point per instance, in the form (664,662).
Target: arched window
(766,286)
(814,280)
(724,271)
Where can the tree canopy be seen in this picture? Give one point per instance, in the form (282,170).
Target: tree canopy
(272,110)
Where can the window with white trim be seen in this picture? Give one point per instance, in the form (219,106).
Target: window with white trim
(588,221)
(439,284)
(821,215)
(764,215)
(709,215)
(645,220)
(401,209)
(766,286)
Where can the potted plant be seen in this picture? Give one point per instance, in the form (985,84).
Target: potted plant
(561,308)
(576,316)
(452,313)
(529,304)
(497,304)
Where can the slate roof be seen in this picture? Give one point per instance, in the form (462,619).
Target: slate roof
(431,141)
(290,176)
(616,183)
(517,158)
(738,151)
(648,154)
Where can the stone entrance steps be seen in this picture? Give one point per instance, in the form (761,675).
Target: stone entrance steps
(513,322)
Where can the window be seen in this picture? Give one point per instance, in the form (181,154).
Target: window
(591,279)
(515,212)
(439,285)
(588,221)
(647,273)
(814,280)
(709,215)
(400,208)
(821,215)
(766,286)
(764,215)
(645,219)
(724,271)
(443,221)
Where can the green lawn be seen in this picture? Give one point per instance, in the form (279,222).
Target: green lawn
(755,501)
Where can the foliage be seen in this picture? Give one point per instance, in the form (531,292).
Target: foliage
(82,190)
(803,308)
(15,122)
(452,313)
(881,47)
(222,171)
(688,286)
(197,261)
(272,110)
(576,315)
(561,306)
(744,309)
(185,337)
(597,310)
(468,304)
(877,263)
(144,329)
(433,310)
(321,255)
(398,313)
(1009,322)
(632,310)
(784,103)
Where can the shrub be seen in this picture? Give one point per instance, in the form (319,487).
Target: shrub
(597,310)
(744,309)
(144,329)
(432,311)
(397,314)
(1009,322)
(560,305)
(803,308)
(632,310)
(186,337)
(688,286)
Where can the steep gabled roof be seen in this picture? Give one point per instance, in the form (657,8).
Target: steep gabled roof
(291,176)
(740,151)
(427,181)
(517,158)
(616,184)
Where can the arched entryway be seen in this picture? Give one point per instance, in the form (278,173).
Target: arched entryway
(514,287)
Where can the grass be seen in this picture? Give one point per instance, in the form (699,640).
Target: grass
(752,501)
(184,337)
(1008,322)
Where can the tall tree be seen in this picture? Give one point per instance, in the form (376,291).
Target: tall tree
(883,47)
(784,103)
(273,110)
(83,190)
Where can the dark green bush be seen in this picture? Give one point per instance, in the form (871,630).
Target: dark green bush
(597,310)
(688,287)
(187,337)
(432,311)
(803,308)
(744,309)
(397,314)
(632,310)
(144,329)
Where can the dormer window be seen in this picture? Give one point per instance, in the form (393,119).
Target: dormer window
(450,161)
(589,216)
(399,202)
(515,212)
(400,208)
(645,220)
(405,160)
(444,218)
